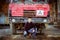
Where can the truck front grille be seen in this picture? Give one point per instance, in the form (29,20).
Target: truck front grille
(29,13)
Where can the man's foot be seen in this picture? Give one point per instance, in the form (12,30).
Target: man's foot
(28,37)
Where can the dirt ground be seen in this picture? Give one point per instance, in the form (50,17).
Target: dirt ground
(20,37)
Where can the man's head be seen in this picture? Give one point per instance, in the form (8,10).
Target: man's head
(29,20)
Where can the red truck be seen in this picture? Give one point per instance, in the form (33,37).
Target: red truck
(20,12)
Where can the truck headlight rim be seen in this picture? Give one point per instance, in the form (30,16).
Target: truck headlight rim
(45,20)
(13,20)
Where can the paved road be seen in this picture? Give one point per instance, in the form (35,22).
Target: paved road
(20,37)
(52,31)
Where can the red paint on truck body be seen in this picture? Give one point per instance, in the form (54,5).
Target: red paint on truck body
(17,9)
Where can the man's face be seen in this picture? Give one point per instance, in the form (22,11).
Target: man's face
(29,20)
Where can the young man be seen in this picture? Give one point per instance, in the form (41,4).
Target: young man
(29,28)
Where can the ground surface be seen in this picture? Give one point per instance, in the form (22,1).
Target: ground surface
(51,33)
(20,37)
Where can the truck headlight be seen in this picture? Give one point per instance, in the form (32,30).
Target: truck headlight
(45,20)
(13,20)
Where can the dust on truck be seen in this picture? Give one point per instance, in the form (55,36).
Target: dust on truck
(20,12)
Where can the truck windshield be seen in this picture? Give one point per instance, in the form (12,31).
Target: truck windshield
(29,1)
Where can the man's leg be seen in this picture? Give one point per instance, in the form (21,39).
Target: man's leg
(25,33)
(34,34)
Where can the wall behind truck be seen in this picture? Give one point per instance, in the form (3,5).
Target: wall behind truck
(2,18)
(4,10)
(58,9)
(58,15)
(53,10)
(4,23)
